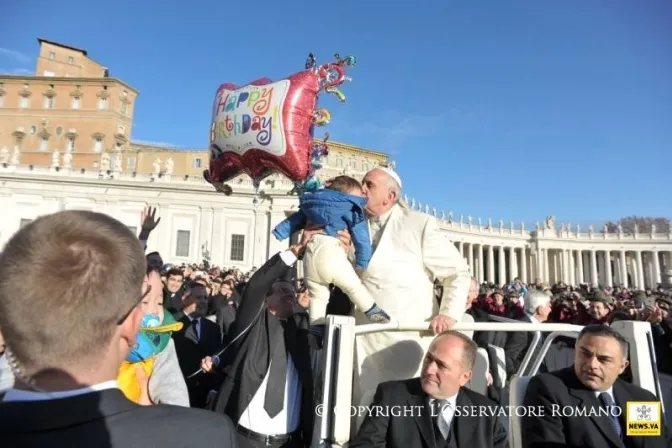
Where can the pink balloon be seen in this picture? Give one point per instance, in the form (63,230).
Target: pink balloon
(264,127)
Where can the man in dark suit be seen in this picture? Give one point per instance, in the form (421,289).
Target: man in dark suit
(197,339)
(226,308)
(590,385)
(268,389)
(68,340)
(434,410)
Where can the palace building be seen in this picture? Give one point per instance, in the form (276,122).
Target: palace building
(71,106)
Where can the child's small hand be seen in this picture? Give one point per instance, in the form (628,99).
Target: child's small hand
(143,380)
(377,315)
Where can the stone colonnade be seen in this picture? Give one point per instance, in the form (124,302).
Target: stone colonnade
(499,264)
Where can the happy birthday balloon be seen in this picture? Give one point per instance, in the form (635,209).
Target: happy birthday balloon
(266,127)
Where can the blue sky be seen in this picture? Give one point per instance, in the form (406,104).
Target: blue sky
(514,109)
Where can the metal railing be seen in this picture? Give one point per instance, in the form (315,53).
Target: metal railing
(468,326)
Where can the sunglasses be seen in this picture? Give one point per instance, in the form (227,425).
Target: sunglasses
(128,313)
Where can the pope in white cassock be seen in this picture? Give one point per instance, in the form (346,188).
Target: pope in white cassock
(410,252)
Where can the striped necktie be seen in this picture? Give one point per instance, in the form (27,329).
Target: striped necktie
(438,406)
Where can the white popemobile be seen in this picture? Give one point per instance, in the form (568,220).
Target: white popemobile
(333,429)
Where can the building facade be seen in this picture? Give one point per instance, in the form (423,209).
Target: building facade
(161,160)
(70,113)
(197,223)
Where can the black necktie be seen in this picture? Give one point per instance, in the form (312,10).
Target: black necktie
(608,403)
(275,388)
(194,324)
(193,330)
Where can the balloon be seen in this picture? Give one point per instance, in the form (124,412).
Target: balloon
(263,127)
(322,117)
(266,127)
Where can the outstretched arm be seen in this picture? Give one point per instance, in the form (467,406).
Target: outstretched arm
(254,295)
(255,291)
(290,225)
(148,222)
(444,261)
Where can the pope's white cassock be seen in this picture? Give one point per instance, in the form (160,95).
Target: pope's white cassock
(410,252)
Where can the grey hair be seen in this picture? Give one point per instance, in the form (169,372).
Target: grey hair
(394,187)
(534,299)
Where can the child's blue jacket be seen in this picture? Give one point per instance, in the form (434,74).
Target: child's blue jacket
(334,211)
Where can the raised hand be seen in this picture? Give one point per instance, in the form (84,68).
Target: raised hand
(148,219)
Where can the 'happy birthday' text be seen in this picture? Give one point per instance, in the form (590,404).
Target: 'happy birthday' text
(240,112)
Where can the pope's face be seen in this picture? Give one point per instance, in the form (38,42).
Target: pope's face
(379,195)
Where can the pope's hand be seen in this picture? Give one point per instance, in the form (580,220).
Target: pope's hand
(441,323)
(345,240)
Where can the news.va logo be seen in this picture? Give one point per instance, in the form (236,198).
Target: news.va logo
(643,418)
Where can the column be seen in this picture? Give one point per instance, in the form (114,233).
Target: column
(512,263)
(502,267)
(481,274)
(540,264)
(593,268)
(565,267)
(640,271)
(261,236)
(470,258)
(491,264)
(618,270)
(607,265)
(218,242)
(460,246)
(656,268)
(624,269)
(523,265)
(579,269)
(546,257)
(572,268)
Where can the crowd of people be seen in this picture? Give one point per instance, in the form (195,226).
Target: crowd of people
(114,346)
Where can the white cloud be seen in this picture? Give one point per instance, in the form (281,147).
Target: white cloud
(14,55)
